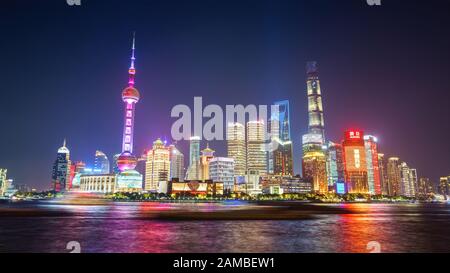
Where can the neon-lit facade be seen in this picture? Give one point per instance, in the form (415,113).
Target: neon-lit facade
(130,95)
(355,162)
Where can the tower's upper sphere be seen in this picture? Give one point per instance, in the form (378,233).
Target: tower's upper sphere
(126,161)
(130,93)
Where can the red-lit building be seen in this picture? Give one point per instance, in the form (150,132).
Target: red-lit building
(355,162)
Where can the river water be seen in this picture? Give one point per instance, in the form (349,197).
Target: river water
(120,227)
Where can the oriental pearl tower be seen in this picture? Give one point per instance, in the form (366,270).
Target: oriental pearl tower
(130,96)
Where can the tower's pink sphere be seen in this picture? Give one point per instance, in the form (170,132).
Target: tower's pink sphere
(126,161)
(130,93)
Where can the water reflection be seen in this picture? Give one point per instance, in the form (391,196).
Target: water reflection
(129,227)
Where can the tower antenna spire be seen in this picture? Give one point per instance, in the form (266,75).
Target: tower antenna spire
(132,70)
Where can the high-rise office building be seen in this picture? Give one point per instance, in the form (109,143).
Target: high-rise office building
(193,172)
(335,164)
(221,169)
(176,163)
(280,156)
(384,181)
(157,167)
(61,169)
(256,151)
(373,168)
(314,161)
(101,163)
(3,181)
(236,147)
(355,162)
(394,176)
(424,187)
(205,158)
(408,178)
(444,186)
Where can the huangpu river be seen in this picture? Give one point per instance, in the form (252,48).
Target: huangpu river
(129,227)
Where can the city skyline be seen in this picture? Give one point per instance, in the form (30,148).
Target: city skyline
(338,112)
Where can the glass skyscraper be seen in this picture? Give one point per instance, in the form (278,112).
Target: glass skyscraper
(373,168)
(193,172)
(281,154)
(61,167)
(314,157)
(335,164)
(101,163)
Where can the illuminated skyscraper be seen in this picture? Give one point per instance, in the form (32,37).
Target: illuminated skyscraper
(394,176)
(193,172)
(444,186)
(408,180)
(373,168)
(205,158)
(61,167)
(280,155)
(314,157)
(176,163)
(256,152)
(3,181)
(101,163)
(157,167)
(384,180)
(424,187)
(236,147)
(335,163)
(355,162)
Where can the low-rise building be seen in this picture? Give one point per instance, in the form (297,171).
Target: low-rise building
(285,185)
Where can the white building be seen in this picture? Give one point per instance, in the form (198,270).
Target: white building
(256,152)
(236,147)
(408,180)
(221,169)
(157,167)
(102,183)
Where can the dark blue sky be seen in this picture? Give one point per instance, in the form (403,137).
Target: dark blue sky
(383,69)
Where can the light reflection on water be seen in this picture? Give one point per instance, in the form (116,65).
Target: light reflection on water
(122,227)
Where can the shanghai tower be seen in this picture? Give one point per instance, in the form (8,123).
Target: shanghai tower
(314,156)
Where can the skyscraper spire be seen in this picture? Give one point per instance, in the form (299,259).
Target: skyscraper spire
(132,70)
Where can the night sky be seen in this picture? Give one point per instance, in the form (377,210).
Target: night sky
(385,70)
